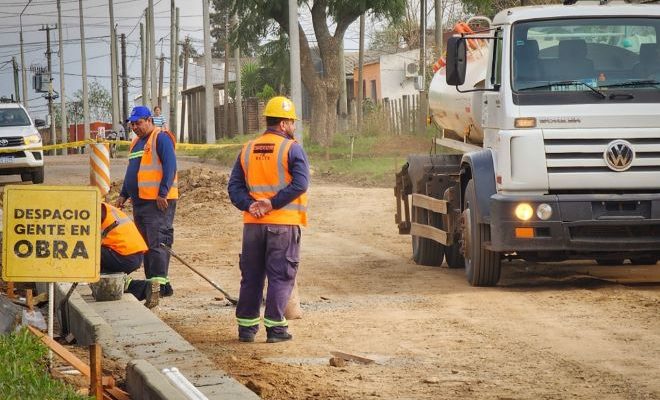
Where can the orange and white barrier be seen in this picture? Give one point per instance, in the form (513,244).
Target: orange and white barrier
(99,167)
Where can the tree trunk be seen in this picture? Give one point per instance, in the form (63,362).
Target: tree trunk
(319,114)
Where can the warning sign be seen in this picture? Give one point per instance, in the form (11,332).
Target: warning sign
(51,234)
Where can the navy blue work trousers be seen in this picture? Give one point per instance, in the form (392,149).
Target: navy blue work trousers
(156,228)
(273,252)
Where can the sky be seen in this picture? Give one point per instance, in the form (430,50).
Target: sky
(128,15)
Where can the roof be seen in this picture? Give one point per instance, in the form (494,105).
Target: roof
(581,9)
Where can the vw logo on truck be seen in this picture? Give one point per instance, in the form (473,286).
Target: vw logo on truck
(619,155)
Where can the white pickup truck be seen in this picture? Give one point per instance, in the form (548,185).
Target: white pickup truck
(20,143)
(559,110)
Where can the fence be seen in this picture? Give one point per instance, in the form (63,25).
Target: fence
(400,116)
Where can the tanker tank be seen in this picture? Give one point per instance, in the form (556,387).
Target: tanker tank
(456,111)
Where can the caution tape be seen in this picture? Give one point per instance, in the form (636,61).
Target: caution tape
(82,143)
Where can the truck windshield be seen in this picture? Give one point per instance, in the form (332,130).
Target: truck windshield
(13,117)
(606,54)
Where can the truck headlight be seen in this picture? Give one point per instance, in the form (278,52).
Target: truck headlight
(32,139)
(524,212)
(544,211)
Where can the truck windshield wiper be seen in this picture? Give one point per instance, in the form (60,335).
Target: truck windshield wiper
(566,83)
(638,82)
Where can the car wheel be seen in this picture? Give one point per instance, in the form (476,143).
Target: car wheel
(38,175)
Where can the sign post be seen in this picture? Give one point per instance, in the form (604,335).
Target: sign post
(51,234)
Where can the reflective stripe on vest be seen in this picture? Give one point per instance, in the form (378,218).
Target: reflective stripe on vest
(150,173)
(120,234)
(265,166)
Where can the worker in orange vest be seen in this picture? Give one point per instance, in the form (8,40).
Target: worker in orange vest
(151,184)
(269,183)
(122,250)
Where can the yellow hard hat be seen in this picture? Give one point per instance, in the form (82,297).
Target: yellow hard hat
(280,107)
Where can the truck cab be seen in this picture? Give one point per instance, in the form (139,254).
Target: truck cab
(566,113)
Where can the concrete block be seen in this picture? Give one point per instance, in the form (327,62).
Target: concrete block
(145,382)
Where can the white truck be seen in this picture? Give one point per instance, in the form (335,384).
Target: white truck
(20,143)
(558,108)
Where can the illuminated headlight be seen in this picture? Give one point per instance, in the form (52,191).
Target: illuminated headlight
(544,211)
(524,212)
(32,139)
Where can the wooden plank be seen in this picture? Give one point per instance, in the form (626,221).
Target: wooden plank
(10,290)
(61,351)
(457,145)
(118,394)
(429,203)
(352,357)
(429,232)
(95,357)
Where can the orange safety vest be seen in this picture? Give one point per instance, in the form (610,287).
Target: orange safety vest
(265,163)
(151,169)
(119,233)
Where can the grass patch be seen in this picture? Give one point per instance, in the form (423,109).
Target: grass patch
(24,370)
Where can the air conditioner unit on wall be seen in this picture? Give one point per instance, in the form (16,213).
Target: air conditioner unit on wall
(412,69)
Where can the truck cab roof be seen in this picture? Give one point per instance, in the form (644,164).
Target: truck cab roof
(580,9)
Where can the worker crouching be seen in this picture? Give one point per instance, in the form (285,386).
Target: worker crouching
(269,183)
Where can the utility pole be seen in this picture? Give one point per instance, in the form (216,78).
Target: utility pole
(226,133)
(439,37)
(186,55)
(294,65)
(239,95)
(152,54)
(360,93)
(421,114)
(143,64)
(173,62)
(64,125)
(208,77)
(113,69)
(51,109)
(23,68)
(161,65)
(124,81)
(83,59)
(16,79)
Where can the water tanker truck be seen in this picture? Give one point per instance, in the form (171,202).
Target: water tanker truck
(557,114)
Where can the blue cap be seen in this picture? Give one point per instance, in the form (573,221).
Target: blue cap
(139,112)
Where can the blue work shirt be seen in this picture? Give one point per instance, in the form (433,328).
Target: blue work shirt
(298,168)
(165,151)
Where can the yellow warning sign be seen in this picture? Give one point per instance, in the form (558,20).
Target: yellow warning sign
(51,234)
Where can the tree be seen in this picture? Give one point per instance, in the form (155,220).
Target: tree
(491,7)
(259,18)
(100,105)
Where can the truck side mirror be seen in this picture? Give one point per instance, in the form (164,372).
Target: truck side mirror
(39,123)
(456,61)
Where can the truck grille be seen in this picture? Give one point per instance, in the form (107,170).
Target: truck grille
(615,232)
(11,141)
(568,155)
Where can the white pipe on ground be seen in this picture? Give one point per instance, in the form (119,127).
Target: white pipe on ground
(181,382)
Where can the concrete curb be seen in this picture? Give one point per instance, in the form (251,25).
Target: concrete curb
(145,382)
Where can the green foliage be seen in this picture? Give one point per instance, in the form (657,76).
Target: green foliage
(100,105)
(24,373)
(251,80)
(266,93)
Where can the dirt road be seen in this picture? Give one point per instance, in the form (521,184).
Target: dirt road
(547,332)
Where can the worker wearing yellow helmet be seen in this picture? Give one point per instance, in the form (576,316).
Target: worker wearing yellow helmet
(269,183)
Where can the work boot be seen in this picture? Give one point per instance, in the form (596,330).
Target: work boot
(166,290)
(152,294)
(278,337)
(246,338)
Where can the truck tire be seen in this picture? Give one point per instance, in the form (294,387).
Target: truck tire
(482,267)
(453,256)
(26,176)
(38,175)
(426,251)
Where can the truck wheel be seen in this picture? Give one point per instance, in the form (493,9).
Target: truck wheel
(482,267)
(426,251)
(453,256)
(38,175)
(644,261)
(26,176)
